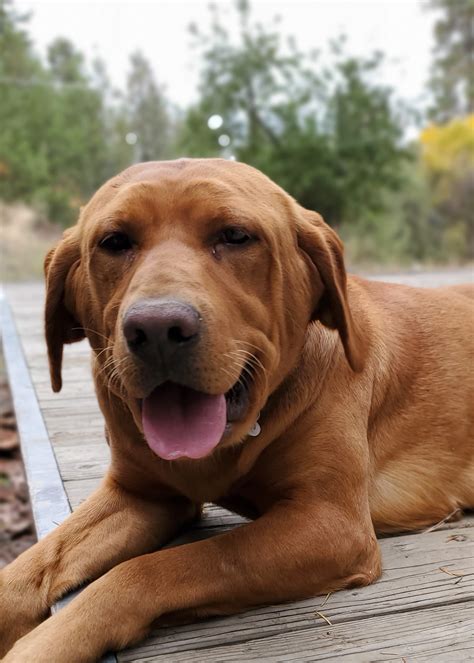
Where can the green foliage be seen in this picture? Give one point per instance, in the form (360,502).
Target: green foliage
(148,113)
(329,137)
(52,146)
(75,134)
(401,233)
(452,81)
(20,145)
(448,163)
(63,128)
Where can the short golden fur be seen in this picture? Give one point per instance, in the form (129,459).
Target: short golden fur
(364,388)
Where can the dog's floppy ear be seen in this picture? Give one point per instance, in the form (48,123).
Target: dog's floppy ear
(61,325)
(325,251)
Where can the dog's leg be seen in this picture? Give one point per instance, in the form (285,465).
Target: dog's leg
(291,552)
(110,527)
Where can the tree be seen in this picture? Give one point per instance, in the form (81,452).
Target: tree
(248,84)
(448,159)
(330,137)
(53,148)
(76,133)
(64,129)
(66,63)
(24,109)
(148,112)
(452,80)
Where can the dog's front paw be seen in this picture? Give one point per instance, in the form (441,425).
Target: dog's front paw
(28,646)
(50,643)
(16,617)
(24,652)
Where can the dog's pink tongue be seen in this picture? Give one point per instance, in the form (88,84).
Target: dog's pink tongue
(178,421)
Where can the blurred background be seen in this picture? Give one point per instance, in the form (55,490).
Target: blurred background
(361,110)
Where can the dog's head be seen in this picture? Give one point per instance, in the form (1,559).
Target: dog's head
(195,282)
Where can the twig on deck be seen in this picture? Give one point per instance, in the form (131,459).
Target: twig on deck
(323,616)
(326,599)
(451,573)
(441,522)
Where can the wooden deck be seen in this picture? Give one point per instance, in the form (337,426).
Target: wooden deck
(420,610)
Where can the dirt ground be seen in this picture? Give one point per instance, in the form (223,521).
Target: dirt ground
(25,238)
(16,523)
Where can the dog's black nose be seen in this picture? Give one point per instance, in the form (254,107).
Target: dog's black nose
(159,328)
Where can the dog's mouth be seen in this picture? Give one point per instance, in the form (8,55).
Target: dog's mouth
(180,422)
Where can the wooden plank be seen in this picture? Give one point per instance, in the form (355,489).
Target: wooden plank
(412,580)
(85,403)
(84,419)
(437,635)
(75,438)
(79,490)
(68,436)
(79,419)
(83,461)
(71,375)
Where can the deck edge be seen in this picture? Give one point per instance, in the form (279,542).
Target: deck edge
(49,502)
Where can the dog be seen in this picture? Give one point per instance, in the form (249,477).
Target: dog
(235,362)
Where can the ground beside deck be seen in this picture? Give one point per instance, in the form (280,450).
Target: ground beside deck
(420,610)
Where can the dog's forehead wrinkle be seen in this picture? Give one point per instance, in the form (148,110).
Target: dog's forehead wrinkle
(206,185)
(112,203)
(241,177)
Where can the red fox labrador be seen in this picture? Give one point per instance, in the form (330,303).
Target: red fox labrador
(236,363)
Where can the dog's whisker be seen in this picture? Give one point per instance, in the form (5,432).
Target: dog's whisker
(244,354)
(227,372)
(252,345)
(252,359)
(106,366)
(114,375)
(101,352)
(247,352)
(108,347)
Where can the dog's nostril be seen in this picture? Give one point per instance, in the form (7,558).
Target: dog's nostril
(137,339)
(177,335)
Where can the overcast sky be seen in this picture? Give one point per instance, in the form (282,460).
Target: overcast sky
(402,29)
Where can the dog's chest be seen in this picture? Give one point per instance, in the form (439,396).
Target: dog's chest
(246,495)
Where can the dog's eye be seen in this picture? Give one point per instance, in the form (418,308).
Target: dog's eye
(235,236)
(116,242)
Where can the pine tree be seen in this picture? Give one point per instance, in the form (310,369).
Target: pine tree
(452,80)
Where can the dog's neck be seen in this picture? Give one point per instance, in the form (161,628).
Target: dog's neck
(296,393)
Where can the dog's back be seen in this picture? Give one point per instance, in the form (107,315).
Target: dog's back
(466,289)
(422,416)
